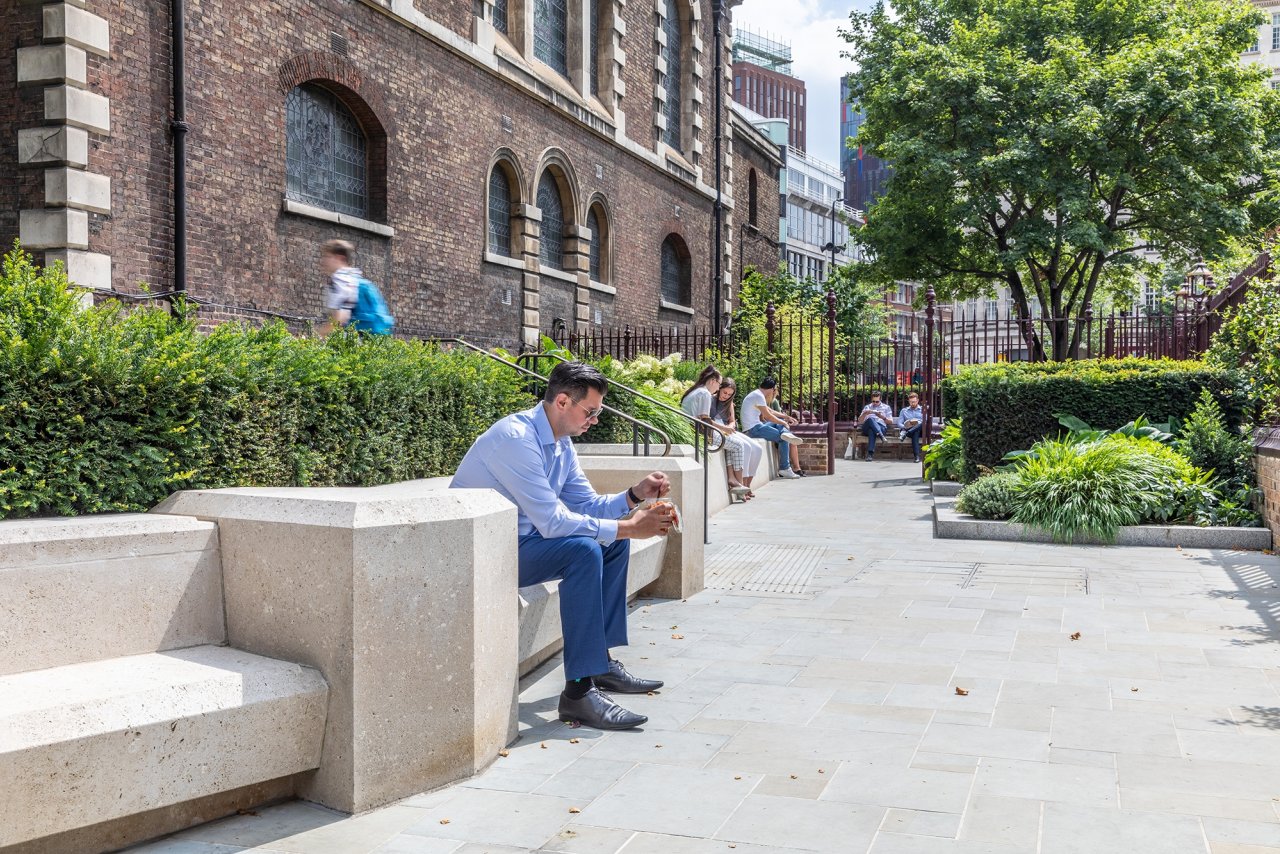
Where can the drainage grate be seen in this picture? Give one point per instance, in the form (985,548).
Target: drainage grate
(751,568)
(916,572)
(1031,578)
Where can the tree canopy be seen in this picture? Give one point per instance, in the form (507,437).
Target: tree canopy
(1047,144)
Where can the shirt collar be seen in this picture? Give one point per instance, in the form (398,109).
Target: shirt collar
(542,426)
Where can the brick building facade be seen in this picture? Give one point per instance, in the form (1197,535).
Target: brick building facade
(761,221)
(497,173)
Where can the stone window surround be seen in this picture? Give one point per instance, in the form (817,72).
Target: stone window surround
(505,159)
(604,215)
(479,50)
(690,151)
(519,37)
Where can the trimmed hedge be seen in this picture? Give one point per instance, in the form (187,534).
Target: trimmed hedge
(104,409)
(1010,407)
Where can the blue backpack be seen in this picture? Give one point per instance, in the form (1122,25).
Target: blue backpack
(371,314)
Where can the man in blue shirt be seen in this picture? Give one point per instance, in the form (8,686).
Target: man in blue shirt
(911,422)
(873,421)
(568,532)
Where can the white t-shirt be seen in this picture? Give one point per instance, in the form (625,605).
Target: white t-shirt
(344,288)
(750,413)
(698,403)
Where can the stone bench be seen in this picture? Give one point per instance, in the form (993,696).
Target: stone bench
(122,714)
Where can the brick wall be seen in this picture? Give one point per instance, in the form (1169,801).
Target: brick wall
(1267,461)
(443,118)
(756,247)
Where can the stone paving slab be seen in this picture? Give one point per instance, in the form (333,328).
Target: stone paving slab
(1118,699)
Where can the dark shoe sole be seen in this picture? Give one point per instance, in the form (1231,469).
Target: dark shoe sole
(568,720)
(619,690)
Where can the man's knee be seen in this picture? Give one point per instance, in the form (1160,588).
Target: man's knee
(582,550)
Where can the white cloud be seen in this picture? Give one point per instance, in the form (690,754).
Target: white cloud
(812,29)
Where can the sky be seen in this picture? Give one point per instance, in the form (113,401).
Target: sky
(810,26)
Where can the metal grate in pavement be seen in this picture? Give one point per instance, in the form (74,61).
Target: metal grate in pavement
(1031,577)
(916,572)
(752,568)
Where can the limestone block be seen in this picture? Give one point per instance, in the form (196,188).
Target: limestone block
(89,743)
(72,24)
(682,565)
(161,574)
(530,317)
(75,188)
(87,269)
(66,145)
(53,63)
(53,229)
(78,107)
(402,596)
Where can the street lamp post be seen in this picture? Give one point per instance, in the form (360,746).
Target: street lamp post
(831,244)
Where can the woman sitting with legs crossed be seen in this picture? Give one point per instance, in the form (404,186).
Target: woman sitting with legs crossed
(698,402)
(738,448)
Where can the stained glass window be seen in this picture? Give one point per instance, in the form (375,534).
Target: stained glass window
(673,53)
(597,240)
(550,29)
(326,160)
(675,271)
(500,15)
(551,251)
(499,212)
(595,46)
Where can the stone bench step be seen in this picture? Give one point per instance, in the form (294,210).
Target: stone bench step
(98,587)
(92,742)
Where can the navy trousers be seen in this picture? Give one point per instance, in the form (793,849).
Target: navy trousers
(593,595)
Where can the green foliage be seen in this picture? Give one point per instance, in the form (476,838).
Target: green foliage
(1009,407)
(1249,339)
(103,409)
(1090,489)
(944,458)
(1207,442)
(1044,144)
(993,496)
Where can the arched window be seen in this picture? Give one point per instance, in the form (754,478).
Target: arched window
(326,152)
(753,191)
(550,33)
(500,16)
(551,250)
(676,271)
(599,261)
(673,53)
(500,211)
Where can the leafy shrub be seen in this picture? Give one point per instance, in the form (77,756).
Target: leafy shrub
(1007,407)
(1091,489)
(993,496)
(944,458)
(103,409)
(1249,339)
(1207,442)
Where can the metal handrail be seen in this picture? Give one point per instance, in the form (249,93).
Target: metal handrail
(636,423)
(697,423)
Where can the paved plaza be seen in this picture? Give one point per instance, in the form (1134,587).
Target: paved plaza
(849,684)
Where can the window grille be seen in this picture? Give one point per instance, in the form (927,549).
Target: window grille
(326,153)
(499,212)
(551,250)
(595,46)
(500,16)
(675,271)
(673,53)
(752,198)
(597,241)
(550,33)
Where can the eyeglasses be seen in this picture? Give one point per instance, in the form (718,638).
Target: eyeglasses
(591,413)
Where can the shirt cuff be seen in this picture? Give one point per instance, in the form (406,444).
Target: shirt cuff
(619,506)
(607,532)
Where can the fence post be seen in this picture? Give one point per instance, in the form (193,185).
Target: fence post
(1109,345)
(771,329)
(1088,329)
(930,304)
(831,382)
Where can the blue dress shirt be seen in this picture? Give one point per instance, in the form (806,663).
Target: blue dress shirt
(521,458)
(909,412)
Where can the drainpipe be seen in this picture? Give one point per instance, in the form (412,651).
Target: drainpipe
(178,127)
(717,9)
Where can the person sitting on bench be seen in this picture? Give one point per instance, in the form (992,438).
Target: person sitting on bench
(873,421)
(911,423)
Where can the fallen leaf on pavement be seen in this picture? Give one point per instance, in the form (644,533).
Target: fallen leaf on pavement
(677,637)
(962,692)
(504,752)
(574,740)
(444,821)
(574,809)
(793,777)
(1075,636)
(544,745)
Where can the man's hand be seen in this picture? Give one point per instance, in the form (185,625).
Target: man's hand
(649,522)
(655,485)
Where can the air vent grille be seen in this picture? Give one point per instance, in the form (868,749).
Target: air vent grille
(338,44)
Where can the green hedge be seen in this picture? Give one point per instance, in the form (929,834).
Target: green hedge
(104,409)
(1009,407)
